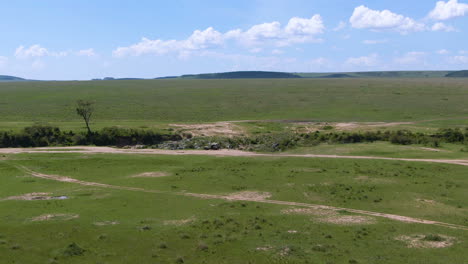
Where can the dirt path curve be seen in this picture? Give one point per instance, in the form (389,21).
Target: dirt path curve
(399,218)
(220,153)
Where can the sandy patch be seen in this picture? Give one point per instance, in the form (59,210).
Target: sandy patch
(226,129)
(248,195)
(106,223)
(179,222)
(47,217)
(421,241)
(348,220)
(154,174)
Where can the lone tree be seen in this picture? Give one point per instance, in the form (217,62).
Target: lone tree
(85,109)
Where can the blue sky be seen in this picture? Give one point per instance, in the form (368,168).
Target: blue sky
(65,39)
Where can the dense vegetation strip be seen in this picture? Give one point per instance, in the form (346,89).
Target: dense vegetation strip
(46,135)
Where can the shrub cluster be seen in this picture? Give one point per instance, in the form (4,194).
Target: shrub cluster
(45,135)
(282,141)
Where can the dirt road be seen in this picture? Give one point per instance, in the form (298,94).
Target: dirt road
(220,153)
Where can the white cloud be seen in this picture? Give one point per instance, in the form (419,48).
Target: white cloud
(342,25)
(86,53)
(197,41)
(33,51)
(463,51)
(459,59)
(374,41)
(439,26)
(411,58)
(368,61)
(365,18)
(450,9)
(37,51)
(443,52)
(298,30)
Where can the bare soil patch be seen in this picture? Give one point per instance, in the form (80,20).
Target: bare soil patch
(348,220)
(106,223)
(48,217)
(154,174)
(30,197)
(309,211)
(34,197)
(213,129)
(421,241)
(179,222)
(248,195)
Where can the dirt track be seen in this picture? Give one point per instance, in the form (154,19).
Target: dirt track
(248,199)
(221,153)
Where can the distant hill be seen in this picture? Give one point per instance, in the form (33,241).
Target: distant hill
(242,75)
(338,75)
(458,74)
(6,78)
(378,74)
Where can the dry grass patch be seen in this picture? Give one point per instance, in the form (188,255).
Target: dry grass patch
(249,196)
(106,223)
(154,174)
(48,217)
(331,216)
(348,220)
(30,197)
(179,222)
(427,241)
(225,129)
(309,211)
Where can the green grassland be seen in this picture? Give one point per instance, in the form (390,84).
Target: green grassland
(220,231)
(154,103)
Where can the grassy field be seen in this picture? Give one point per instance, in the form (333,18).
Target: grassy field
(103,225)
(122,208)
(148,103)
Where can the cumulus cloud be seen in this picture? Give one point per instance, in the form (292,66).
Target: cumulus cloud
(374,41)
(411,58)
(368,61)
(298,30)
(37,51)
(86,53)
(439,26)
(443,52)
(366,18)
(197,41)
(459,59)
(450,9)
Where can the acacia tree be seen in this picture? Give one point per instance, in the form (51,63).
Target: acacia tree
(85,109)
